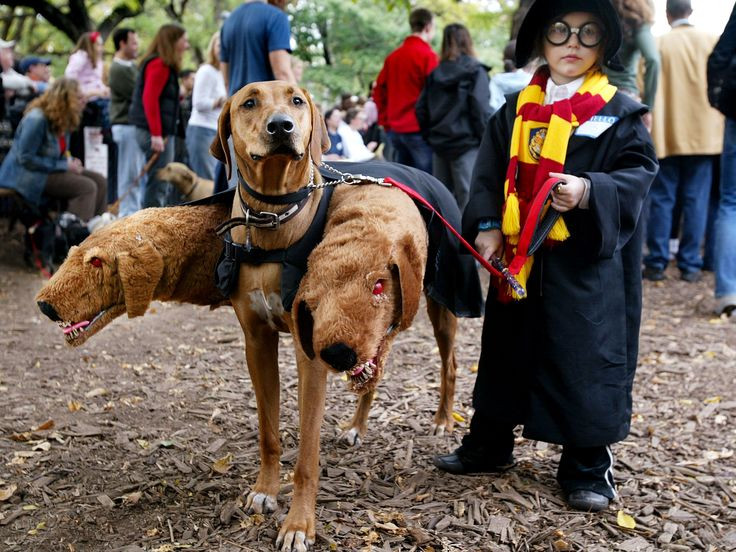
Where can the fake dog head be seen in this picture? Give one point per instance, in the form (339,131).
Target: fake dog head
(270,123)
(122,267)
(363,284)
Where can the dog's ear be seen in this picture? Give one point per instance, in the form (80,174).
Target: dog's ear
(305,328)
(405,258)
(319,140)
(219,147)
(140,272)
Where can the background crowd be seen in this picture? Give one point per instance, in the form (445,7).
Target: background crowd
(423,109)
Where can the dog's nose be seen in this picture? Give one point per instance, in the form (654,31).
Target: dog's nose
(280,124)
(48,310)
(339,356)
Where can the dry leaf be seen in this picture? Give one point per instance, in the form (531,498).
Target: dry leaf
(43,445)
(74,406)
(223,464)
(561,545)
(457,417)
(132,498)
(96,392)
(474,368)
(711,400)
(6,493)
(625,520)
(44,426)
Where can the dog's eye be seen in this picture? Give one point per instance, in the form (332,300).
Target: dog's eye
(296,100)
(250,103)
(378,287)
(96,262)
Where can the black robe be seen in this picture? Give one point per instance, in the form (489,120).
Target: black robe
(562,361)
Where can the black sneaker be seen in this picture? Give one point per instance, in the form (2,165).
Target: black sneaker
(691,277)
(460,464)
(653,274)
(587,501)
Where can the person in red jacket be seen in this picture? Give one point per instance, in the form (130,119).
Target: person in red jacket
(398,87)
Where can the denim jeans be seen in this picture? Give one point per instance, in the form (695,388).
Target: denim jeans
(411,149)
(455,173)
(130,163)
(725,249)
(688,176)
(198,147)
(155,192)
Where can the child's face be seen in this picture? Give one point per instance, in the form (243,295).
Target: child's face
(572,58)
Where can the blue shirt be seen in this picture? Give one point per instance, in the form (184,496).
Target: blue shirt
(336,146)
(248,35)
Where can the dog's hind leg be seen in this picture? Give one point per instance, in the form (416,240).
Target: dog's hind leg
(261,353)
(298,530)
(353,436)
(444,324)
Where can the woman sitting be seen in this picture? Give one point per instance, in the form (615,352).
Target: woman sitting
(38,164)
(352,140)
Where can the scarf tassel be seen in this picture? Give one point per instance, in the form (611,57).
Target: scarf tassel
(559,231)
(511,223)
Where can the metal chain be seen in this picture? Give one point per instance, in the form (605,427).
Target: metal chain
(348,178)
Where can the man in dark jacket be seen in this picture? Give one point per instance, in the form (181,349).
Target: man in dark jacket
(722,95)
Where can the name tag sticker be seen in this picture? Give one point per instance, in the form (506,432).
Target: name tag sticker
(596,126)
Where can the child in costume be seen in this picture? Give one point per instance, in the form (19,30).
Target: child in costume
(560,361)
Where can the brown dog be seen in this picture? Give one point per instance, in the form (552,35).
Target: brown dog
(166,254)
(190,186)
(278,137)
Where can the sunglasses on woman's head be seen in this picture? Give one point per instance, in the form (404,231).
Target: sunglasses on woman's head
(590,34)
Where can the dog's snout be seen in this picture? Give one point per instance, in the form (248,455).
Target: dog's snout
(339,356)
(280,124)
(48,310)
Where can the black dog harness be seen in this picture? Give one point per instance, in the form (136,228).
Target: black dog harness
(293,258)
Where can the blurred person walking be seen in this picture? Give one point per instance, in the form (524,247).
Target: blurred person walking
(208,97)
(687,132)
(38,163)
(722,94)
(453,110)
(130,159)
(637,17)
(398,87)
(155,106)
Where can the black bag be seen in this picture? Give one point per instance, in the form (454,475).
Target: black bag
(49,239)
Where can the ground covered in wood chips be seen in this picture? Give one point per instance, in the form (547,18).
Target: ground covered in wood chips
(145,438)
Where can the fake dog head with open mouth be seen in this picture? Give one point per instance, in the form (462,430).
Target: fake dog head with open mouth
(167,254)
(274,127)
(363,284)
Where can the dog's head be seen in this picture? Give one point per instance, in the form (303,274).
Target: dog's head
(179,175)
(270,121)
(353,301)
(114,271)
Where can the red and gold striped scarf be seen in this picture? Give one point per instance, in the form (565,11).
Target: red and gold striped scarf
(538,147)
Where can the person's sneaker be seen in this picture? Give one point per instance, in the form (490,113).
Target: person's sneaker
(587,501)
(653,274)
(692,276)
(459,464)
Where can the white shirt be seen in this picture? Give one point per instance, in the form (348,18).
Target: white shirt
(209,85)
(353,147)
(556,92)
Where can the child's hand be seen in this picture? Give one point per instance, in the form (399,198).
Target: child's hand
(567,196)
(489,242)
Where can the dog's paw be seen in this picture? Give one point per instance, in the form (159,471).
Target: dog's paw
(351,437)
(293,541)
(438,429)
(260,503)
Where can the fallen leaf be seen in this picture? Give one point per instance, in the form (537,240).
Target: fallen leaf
(458,417)
(474,368)
(561,545)
(132,498)
(6,493)
(44,426)
(625,520)
(223,464)
(43,445)
(711,400)
(96,392)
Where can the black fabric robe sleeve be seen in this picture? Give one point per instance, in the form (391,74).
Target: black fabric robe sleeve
(617,195)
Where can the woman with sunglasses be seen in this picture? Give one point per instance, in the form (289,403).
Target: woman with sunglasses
(560,362)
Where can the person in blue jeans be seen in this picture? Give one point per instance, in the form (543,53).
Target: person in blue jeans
(722,95)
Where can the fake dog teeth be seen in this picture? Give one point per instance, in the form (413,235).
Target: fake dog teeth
(363,372)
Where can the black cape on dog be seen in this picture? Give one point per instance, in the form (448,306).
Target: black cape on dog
(450,278)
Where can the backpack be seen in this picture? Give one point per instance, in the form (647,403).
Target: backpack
(49,238)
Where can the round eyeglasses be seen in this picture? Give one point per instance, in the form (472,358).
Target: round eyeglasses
(590,34)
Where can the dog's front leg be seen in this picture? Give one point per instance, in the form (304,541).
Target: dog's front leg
(298,530)
(353,436)
(261,353)
(444,324)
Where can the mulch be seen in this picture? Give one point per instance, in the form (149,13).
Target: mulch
(145,439)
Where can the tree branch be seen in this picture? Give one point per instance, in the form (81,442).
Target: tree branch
(121,12)
(50,13)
